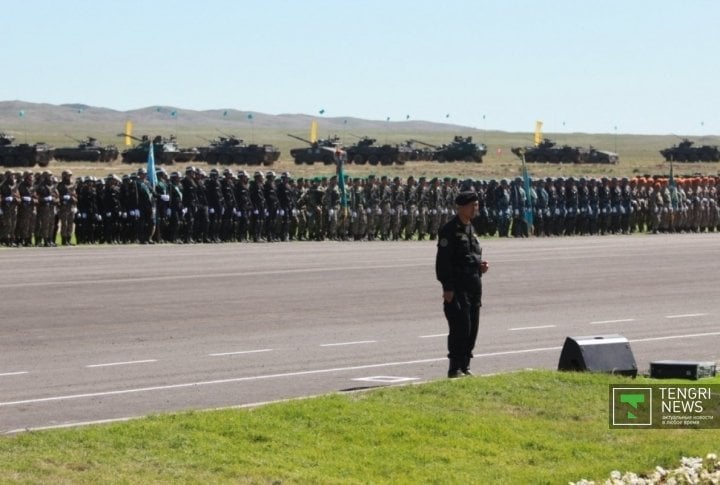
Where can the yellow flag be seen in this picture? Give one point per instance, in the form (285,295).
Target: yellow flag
(128,132)
(313,131)
(538,132)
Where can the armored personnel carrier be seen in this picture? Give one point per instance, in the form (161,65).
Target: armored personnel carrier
(460,149)
(165,150)
(599,156)
(365,151)
(228,150)
(686,152)
(89,150)
(318,151)
(23,154)
(547,151)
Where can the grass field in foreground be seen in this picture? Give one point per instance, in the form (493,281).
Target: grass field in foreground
(527,427)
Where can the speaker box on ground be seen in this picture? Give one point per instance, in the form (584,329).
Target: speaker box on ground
(598,353)
(681,369)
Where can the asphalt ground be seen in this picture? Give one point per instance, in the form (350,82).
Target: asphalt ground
(90,334)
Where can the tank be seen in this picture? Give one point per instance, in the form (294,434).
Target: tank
(166,151)
(89,150)
(686,152)
(318,151)
(459,149)
(228,150)
(365,151)
(23,154)
(547,151)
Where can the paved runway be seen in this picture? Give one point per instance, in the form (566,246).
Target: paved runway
(103,333)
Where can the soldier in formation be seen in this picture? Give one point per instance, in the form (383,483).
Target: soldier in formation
(38,209)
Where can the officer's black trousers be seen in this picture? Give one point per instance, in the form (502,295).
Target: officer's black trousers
(463,316)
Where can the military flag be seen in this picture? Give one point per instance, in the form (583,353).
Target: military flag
(152,176)
(528,199)
(313,131)
(128,133)
(21,113)
(538,132)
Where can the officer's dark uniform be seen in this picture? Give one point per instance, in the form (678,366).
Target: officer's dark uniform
(457,267)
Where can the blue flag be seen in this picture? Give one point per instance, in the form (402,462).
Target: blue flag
(152,176)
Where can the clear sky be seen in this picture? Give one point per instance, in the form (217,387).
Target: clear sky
(631,66)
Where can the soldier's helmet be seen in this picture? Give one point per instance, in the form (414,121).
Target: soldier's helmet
(214,172)
(270,174)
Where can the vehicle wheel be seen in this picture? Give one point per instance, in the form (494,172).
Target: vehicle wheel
(373,159)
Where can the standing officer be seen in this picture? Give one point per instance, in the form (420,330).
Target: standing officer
(458,267)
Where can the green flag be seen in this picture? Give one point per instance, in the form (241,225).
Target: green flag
(21,114)
(249,116)
(322,111)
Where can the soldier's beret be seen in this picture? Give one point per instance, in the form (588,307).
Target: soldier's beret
(465,198)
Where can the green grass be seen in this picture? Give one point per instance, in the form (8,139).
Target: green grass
(527,427)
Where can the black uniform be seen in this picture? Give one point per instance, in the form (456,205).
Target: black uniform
(457,267)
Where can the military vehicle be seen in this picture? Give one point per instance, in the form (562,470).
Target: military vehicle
(599,156)
(23,154)
(318,151)
(230,150)
(365,151)
(547,151)
(87,150)
(461,148)
(165,150)
(686,152)
(416,153)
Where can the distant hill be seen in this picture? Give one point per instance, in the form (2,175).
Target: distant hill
(76,116)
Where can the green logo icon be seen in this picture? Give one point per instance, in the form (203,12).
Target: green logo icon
(630,406)
(633,400)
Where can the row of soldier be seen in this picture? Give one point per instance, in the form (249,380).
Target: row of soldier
(215,207)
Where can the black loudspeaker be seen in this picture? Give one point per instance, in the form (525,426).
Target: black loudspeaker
(598,353)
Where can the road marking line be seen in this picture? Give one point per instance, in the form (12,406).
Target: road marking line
(240,352)
(122,363)
(179,277)
(531,328)
(671,337)
(258,378)
(433,336)
(621,320)
(13,373)
(359,342)
(687,315)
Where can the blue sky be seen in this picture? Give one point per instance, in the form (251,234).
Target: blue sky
(580,66)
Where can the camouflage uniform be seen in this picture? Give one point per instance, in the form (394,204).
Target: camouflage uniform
(357,210)
(9,200)
(26,211)
(68,207)
(411,209)
(47,200)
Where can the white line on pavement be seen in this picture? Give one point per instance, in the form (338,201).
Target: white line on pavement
(308,372)
(531,328)
(13,373)
(434,336)
(621,320)
(122,363)
(671,337)
(359,342)
(687,315)
(240,352)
